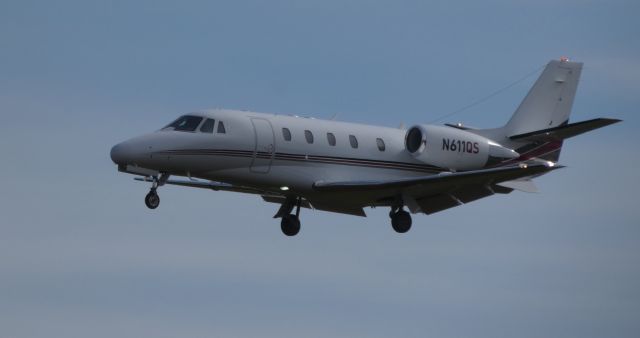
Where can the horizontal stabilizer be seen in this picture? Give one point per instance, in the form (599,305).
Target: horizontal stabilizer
(565,131)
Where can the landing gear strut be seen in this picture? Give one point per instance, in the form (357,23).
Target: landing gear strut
(290,223)
(152,200)
(400,220)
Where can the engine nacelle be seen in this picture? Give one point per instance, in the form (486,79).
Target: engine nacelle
(454,149)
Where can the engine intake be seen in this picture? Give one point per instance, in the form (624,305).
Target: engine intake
(416,138)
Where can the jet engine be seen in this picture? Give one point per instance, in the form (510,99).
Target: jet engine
(454,149)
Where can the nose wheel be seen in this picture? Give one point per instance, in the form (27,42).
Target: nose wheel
(400,220)
(152,200)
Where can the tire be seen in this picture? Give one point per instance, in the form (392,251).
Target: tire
(290,225)
(401,221)
(152,200)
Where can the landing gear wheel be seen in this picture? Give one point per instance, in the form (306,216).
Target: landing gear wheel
(152,200)
(401,221)
(290,225)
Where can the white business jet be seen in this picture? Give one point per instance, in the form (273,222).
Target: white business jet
(344,167)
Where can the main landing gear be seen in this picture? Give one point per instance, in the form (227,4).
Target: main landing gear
(152,200)
(290,223)
(400,220)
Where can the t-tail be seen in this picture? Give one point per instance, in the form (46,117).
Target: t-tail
(541,123)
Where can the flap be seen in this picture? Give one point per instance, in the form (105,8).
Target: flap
(339,208)
(433,204)
(521,185)
(324,206)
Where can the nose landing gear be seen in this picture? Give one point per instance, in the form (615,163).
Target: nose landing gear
(152,200)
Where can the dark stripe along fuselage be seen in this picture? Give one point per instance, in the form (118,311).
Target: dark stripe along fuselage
(307,158)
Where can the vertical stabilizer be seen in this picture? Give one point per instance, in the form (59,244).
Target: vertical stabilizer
(548,103)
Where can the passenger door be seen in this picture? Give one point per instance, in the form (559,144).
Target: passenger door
(265,146)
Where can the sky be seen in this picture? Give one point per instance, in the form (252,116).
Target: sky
(80,254)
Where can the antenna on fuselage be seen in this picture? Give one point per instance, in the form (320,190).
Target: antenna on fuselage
(499,91)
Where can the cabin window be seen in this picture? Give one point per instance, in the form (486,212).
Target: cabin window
(354,141)
(286,134)
(331,139)
(221,129)
(309,136)
(380,143)
(185,123)
(207,126)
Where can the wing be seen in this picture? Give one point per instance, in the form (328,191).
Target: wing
(430,194)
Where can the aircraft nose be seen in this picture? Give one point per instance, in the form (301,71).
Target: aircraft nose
(121,153)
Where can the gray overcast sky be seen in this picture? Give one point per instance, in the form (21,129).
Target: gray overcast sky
(81,256)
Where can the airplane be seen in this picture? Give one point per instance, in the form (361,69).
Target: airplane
(342,167)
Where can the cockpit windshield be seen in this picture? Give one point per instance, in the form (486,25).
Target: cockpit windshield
(185,123)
